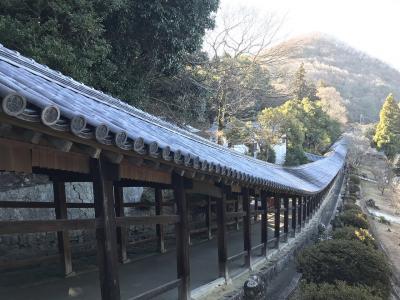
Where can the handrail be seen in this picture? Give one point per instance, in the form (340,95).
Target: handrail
(158,290)
(9,227)
(236,256)
(257,247)
(149,220)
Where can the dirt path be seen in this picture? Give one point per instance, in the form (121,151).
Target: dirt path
(388,236)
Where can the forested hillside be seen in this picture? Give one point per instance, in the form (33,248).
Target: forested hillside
(363,81)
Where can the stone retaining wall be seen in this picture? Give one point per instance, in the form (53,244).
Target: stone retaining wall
(30,188)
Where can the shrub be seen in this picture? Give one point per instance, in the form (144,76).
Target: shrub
(337,291)
(349,261)
(350,199)
(355,179)
(355,196)
(351,206)
(354,189)
(383,220)
(336,223)
(371,203)
(351,233)
(353,217)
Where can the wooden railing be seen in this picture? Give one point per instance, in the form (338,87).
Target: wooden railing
(158,290)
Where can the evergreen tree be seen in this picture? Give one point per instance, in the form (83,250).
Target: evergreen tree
(299,84)
(301,87)
(120,47)
(387,134)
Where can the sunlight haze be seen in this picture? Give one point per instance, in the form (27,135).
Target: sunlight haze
(371,26)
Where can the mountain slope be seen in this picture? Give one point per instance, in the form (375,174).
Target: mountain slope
(363,81)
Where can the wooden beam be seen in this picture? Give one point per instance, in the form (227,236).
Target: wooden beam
(222,235)
(202,188)
(122,232)
(286,215)
(107,250)
(256,211)
(112,157)
(300,210)
(26,204)
(148,220)
(47,158)
(10,227)
(15,157)
(247,226)
(264,223)
(182,237)
(235,214)
(64,247)
(131,171)
(92,152)
(60,144)
(31,136)
(209,219)
(277,226)
(237,210)
(159,227)
(140,183)
(294,214)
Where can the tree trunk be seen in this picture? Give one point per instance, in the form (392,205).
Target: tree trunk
(221,118)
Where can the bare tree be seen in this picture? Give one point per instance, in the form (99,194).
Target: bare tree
(241,52)
(358,147)
(333,104)
(383,174)
(245,32)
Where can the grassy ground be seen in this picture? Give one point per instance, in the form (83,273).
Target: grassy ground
(387,235)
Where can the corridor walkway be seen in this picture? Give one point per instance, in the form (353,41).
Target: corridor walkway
(135,277)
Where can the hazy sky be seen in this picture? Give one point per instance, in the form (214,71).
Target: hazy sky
(372,26)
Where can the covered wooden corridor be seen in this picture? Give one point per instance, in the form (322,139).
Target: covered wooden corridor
(53,125)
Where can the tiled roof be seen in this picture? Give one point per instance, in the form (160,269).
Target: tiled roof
(312,156)
(64,104)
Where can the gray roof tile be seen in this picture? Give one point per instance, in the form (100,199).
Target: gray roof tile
(43,87)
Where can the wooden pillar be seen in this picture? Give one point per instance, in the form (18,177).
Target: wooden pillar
(182,237)
(222,237)
(189,209)
(255,208)
(277,228)
(103,175)
(122,231)
(294,214)
(209,218)
(64,247)
(236,210)
(314,205)
(159,227)
(313,199)
(286,215)
(247,226)
(304,209)
(264,223)
(300,211)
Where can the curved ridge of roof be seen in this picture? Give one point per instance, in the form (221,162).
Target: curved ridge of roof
(132,129)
